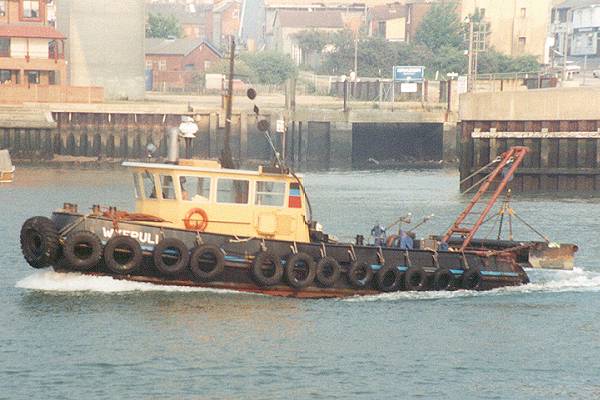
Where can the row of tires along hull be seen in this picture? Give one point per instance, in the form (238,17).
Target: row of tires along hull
(43,246)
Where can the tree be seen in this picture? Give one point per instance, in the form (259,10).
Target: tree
(311,42)
(241,69)
(441,27)
(163,26)
(270,67)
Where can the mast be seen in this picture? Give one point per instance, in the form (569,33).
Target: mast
(226,157)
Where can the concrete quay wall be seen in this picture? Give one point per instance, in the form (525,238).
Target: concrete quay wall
(561,127)
(315,138)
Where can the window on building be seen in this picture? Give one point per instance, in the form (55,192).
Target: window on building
(235,13)
(195,188)
(53,77)
(4,47)
(149,188)
(523,12)
(381,29)
(5,75)
(31,8)
(148,64)
(522,42)
(168,189)
(207,64)
(270,194)
(162,65)
(33,77)
(232,191)
(481,12)
(2,8)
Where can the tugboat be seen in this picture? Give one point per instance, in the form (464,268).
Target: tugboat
(197,223)
(205,223)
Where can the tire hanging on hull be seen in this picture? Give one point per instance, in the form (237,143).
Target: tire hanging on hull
(267,269)
(82,250)
(415,279)
(171,256)
(39,242)
(328,271)
(360,274)
(207,262)
(389,279)
(123,255)
(300,270)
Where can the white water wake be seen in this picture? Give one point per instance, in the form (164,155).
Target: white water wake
(542,281)
(52,281)
(578,280)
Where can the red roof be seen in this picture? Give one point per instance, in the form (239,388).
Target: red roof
(30,31)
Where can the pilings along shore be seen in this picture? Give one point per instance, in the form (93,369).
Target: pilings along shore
(561,128)
(314,139)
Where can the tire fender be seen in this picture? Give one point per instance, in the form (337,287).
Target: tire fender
(207,262)
(117,246)
(75,258)
(172,244)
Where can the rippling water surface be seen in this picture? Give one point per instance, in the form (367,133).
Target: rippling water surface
(72,336)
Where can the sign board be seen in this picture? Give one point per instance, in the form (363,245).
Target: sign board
(280,127)
(409,73)
(406,87)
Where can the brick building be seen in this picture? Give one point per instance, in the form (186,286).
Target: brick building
(31,51)
(176,63)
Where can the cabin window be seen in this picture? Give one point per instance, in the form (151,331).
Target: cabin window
(136,185)
(168,189)
(195,188)
(270,193)
(232,191)
(149,189)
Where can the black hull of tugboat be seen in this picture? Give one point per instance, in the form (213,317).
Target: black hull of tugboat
(467,271)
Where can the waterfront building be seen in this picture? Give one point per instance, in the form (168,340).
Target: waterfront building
(175,64)
(575,26)
(31,52)
(516,27)
(106,45)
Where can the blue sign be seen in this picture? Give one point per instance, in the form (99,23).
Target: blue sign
(409,73)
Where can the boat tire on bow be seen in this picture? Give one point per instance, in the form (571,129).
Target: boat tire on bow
(360,274)
(267,269)
(82,250)
(328,271)
(171,256)
(415,279)
(443,279)
(300,270)
(389,279)
(123,255)
(472,279)
(207,262)
(39,242)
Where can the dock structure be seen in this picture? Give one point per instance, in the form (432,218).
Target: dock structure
(561,127)
(316,138)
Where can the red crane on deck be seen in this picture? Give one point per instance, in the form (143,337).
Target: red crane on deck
(511,159)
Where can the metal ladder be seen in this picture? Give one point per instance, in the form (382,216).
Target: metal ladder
(510,159)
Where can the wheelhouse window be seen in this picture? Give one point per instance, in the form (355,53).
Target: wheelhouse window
(136,185)
(149,188)
(232,191)
(270,193)
(31,9)
(168,189)
(195,188)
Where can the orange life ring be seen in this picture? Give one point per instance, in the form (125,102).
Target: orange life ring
(196,224)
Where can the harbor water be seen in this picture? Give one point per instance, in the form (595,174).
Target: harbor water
(69,336)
